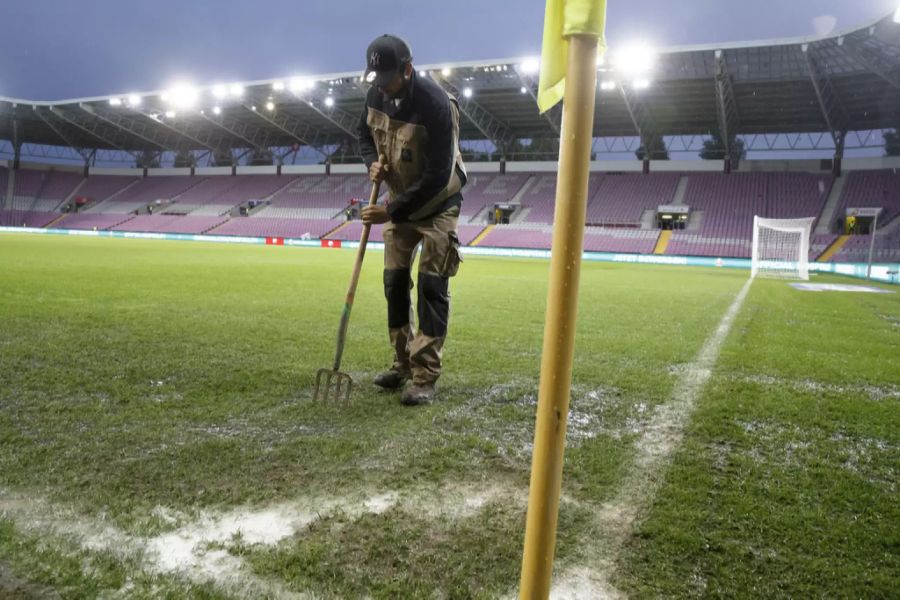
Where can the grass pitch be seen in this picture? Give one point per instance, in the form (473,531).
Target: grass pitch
(149,388)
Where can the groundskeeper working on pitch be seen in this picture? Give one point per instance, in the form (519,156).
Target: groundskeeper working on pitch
(415,124)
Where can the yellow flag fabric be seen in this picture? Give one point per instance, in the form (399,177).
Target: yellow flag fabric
(563,18)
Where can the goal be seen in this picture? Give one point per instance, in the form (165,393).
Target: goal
(781,248)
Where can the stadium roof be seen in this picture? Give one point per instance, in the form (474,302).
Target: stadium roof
(819,85)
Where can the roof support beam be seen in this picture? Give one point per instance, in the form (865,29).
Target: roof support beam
(240,130)
(197,135)
(640,117)
(490,126)
(58,130)
(552,116)
(99,131)
(295,128)
(726,106)
(829,102)
(131,128)
(17,136)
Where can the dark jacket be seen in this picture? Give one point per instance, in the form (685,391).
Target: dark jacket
(419,135)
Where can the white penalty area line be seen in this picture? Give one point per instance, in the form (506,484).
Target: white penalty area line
(661,437)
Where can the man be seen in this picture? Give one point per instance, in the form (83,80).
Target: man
(414,124)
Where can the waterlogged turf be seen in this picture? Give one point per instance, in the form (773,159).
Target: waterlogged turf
(147,386)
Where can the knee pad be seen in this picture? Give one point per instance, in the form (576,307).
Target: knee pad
(397,284)
(434,304)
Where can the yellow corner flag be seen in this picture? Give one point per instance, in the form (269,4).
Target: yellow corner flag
(564,18)
(573,33)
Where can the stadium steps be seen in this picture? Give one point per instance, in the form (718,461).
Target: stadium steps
(662,242)
(823,226)
(833,249)
(484,233)
(94,207)
(55,221)
(10,188)
(336,229)
(680,191)
(73,193)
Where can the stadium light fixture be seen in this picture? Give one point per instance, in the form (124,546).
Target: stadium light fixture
(422,73)
(523,90)
(467,92)
(270,106)
(236,90)
(897,16)
(299,84)
(217,110)
(329,101)
(278,86)
(607,86)
(530,66)
(134,100)
(253,108)
(182,96)
(115,102)
(446,71)
(170,114)
(640,84)
(635,60)
(219,91)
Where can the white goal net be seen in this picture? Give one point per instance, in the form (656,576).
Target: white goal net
(781,248)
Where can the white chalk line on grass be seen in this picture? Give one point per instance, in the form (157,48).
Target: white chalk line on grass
(660,438)
(186,551)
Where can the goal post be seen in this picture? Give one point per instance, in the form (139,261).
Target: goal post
(781,248)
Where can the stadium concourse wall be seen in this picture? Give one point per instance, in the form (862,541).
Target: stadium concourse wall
(885,273)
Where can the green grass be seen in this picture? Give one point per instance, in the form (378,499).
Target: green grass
(140,374)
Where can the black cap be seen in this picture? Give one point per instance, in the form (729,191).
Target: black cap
(386,56)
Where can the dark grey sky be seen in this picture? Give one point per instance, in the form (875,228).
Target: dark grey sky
(55,49)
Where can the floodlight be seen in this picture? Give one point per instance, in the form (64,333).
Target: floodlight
(219,91)
(298,84)
(278,86)
(530,66)
(329,101)
(635,59)
(446,71)
(217,110)
(253,108)
(182,95)
(115,102)
(607,86)
(897,15)
(170,114)
(134,100)
(270,105)
(236,90)
(640,84)
(467,92)
(422,73)
(523,90)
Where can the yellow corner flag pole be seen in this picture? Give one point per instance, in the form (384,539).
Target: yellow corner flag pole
(572,31)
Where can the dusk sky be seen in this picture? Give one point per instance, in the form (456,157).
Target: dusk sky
(56,49)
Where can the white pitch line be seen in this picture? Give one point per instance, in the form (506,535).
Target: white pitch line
(656,445)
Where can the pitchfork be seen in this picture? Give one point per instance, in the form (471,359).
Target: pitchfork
(332,383)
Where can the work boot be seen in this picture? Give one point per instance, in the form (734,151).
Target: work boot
(416,395)
(390,380)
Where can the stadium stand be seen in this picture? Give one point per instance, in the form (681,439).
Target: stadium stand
(622,198)
(722,207)
(868,189)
